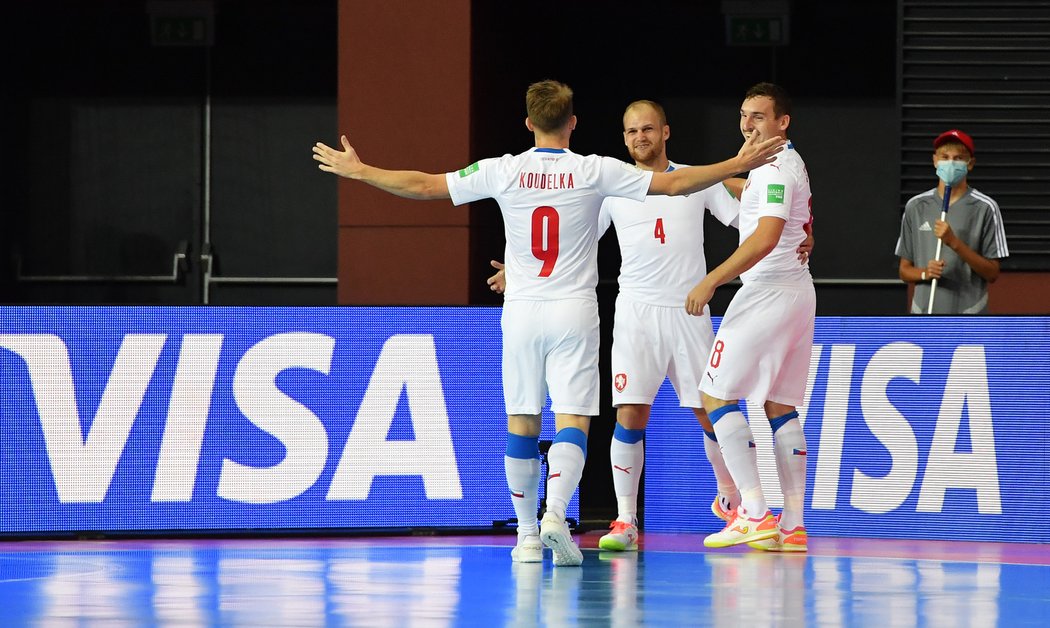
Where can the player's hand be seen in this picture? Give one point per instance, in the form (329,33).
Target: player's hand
(944,231)
(344,163)
(758,152)
(934,269)
(498,282)
(698,297)
(805,249)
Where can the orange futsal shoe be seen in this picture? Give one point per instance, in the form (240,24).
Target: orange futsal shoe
(744,529)
(793,540)
(623,538)
(723,507)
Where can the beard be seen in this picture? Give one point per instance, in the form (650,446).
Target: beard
(645,153)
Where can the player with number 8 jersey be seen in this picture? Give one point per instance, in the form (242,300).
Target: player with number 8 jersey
(763,347)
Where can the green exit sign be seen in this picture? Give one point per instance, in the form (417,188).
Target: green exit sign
(181,30)
(751,30)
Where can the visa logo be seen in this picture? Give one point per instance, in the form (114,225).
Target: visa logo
(933,469)
(83,465)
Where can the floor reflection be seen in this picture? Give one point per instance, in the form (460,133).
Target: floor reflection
(471,581)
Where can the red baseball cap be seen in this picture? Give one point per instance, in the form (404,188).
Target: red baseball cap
(954,134)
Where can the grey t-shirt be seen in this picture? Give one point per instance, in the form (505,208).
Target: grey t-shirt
(976,220)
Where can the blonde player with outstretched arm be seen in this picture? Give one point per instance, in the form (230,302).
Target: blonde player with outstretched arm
(549,198)
(763,346)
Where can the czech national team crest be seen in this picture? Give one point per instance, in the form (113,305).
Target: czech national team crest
(620,381)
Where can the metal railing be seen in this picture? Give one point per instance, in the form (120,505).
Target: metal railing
(179,266)
(208,262)
(837,281)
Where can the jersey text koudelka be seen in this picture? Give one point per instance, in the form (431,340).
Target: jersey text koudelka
(550,199)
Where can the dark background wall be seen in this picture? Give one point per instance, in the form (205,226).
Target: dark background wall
(119,151)
(842,80)
(110,165)
(118,148)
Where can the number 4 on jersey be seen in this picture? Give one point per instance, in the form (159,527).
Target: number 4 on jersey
(658,232)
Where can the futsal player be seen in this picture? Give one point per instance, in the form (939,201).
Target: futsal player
(661,248)
(763,346)
(549,198)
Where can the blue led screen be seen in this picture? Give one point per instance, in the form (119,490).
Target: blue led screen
(916,427)
(230,418)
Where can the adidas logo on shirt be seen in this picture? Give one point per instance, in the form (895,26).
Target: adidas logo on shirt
(926,226)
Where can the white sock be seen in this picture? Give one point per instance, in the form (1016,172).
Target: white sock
(627,460)
(789,447)
(724,479)
(565,468)
(523,480)
(734,436)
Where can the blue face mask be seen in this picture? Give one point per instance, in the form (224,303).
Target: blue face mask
(951,171)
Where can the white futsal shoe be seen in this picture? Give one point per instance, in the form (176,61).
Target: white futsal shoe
(555,534)
(528,550)
(622,538)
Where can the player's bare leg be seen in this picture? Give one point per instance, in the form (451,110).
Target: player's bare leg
(521,464)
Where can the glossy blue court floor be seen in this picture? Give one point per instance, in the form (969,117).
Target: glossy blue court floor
(470,581)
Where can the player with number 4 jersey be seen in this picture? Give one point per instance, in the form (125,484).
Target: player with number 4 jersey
(550,199)
(661,242)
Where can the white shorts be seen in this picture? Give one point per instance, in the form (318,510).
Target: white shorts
(551,346)
(763,346)
(651,342)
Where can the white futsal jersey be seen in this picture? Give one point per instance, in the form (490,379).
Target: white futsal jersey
(662,241)
(763,348)
(778,189)
(550,199)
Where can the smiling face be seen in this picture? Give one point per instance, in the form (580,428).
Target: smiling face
(758,115)
(644,133)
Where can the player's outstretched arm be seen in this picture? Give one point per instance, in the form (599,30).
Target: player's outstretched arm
(405,183)
(752,154)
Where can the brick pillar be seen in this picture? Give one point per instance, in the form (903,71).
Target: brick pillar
(404,102)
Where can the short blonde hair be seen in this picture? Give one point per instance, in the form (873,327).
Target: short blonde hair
(648,103)
(549,105)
